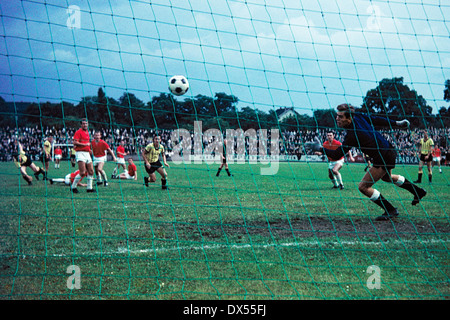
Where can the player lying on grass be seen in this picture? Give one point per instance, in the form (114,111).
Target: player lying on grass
(23,161)
(362,135)
(69,178)
(130,173)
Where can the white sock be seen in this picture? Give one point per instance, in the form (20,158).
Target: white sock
(75,181)
(375,195)
(339,178)
(89,181)
(400,181)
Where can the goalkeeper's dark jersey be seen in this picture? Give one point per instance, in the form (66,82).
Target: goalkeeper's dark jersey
(362,134)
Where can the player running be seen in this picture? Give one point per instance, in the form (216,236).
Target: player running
(335,164)
(362,135)
(82,145)
(151,154)
(99,149)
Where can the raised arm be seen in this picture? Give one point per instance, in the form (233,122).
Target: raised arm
(386,122)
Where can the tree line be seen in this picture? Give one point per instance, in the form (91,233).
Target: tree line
(391,97)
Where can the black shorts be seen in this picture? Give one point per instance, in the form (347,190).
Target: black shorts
(27,163)
(423,159)
(153,167)
(45,158)
(385,160)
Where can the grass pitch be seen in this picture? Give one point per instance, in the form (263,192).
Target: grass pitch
(248,236)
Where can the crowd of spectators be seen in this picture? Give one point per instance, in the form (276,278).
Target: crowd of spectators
(290,142)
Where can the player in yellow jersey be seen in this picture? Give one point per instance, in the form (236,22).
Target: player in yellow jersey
(23,161)
(72,156)
(151,154)
(47,154)
(426,145)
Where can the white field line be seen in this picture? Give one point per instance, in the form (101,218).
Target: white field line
(298,244)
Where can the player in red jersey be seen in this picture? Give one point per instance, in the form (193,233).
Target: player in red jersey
(82,146)
(69,179)
(121,153)
(131,173)
(58,156)
(99,149)
(334,165)
(436,153)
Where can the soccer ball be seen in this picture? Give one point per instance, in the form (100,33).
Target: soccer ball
(178,85)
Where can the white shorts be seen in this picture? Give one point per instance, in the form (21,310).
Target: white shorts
(98,160)
(120,160)
(67,180)
(58,156)
(127,175)
(436,159)
(331,164)
(83,156)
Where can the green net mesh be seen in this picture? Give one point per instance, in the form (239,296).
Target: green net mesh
(265,75)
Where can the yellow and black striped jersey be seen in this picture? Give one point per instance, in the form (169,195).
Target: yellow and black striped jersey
(426,146)
(47,147)
(152,153)
(22,160)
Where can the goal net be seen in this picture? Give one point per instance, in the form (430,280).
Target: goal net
(277,219)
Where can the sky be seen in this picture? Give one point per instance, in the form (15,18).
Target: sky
(270,54)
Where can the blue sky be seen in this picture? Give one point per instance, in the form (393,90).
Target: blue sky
(303,54)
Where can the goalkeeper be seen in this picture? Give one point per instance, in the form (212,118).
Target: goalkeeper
(361,134)
(23,162)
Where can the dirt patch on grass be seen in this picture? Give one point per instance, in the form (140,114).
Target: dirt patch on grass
(319,227)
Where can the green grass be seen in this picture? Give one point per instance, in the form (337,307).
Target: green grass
(286,236)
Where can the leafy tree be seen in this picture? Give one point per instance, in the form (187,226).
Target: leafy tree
(162,110)
(395,99)
(325,118)
(447,91)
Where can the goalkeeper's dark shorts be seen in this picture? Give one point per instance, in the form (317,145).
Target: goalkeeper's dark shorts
(385,160)
(153,167)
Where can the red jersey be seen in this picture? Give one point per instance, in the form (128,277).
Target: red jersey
(436,152)
(132,169)
(82,137)
(74,174)
(58,151)
(120,152)
(333,146)
(99,148)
